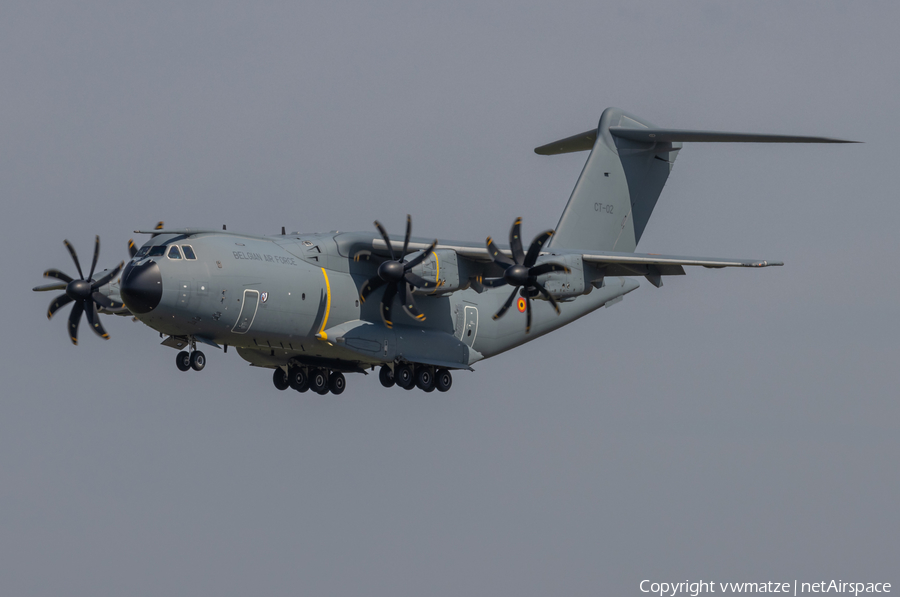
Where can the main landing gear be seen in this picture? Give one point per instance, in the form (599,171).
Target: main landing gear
(323,381)
(423,377)
(320,381)
(190,360)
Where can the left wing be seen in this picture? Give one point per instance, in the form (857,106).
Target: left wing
(654,266)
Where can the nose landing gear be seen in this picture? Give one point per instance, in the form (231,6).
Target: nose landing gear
(190,360)
(198,360)
(185,360)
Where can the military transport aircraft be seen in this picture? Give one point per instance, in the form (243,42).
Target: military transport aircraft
(312,307)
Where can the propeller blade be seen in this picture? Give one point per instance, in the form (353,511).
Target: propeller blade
(496,255)
(59,302)
(534,251)
(106,302)
(547,295)
(94,319)
(409,303)
(419,281)
(46,287)
(96,256)
(74,257)
(421,257)
(408,234)
(387,240)
(132,249)
(387,303)
(507,304)
(546,268)
(159,226)
(105,279)
(515,241)
(527,314)
(74,319)
(494,282)
(55,273)
(370,286)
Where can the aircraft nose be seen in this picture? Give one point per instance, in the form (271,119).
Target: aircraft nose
(141,287)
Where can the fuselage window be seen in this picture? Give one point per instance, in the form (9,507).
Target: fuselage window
(157,251)
(188,252)
(174,253)
(142,252)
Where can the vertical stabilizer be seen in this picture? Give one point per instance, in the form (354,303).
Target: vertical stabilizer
(618,187)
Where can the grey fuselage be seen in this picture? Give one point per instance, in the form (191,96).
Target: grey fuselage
(294,299)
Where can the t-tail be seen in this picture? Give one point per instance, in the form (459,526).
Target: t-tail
(624,175)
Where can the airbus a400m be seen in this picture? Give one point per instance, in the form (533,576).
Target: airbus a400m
(312,307)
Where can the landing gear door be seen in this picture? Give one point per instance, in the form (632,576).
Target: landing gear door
(248,312)
(470,325)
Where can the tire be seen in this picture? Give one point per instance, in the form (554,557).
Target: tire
(183,360)
(298,379)
(198,360)
(337,383)
(386,377)
(443,380)
(403,375)
(280,379)
(425,379)
(318,381)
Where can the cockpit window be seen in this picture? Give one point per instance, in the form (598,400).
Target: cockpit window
(174,253)
(157,251)
(188,252)
(142,252)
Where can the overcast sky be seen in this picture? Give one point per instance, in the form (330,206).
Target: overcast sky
(734,425)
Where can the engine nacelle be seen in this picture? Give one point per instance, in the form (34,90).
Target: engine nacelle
(442,266)
(561,285)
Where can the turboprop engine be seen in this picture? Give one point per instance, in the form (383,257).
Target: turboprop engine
(565,285)
(441,266)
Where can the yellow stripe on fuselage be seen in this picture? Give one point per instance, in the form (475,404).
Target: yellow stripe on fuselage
(327,305)
(437,276)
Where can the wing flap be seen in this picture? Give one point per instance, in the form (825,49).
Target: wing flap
(626,259)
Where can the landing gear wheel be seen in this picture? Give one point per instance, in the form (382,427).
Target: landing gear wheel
(403,375)
(318,381)
(386,377)
(443,380)
(280,379)
(298,379)
(336,382)
(425,379)
(198,360)
(183,360)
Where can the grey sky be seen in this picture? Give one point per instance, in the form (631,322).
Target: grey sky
(733,425)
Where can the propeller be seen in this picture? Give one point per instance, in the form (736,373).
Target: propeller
(521,272)
(132,249)
(397,274)
(83,292)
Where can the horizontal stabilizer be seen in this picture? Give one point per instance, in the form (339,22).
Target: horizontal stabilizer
(585,141)
(686,135)
(582,142)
